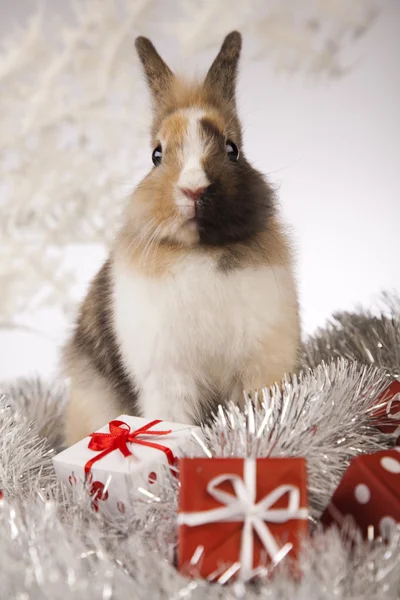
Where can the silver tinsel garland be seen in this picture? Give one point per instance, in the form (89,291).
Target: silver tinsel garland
(368,338)
(54,546)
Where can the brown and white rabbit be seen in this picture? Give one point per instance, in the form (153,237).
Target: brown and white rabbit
(197,300)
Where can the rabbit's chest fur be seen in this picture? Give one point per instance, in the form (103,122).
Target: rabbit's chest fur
(191,333)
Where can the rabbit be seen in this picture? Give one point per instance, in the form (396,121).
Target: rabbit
(198,300)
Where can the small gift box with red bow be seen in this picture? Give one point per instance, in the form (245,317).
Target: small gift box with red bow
(123,457)
(239,514)
(368,495)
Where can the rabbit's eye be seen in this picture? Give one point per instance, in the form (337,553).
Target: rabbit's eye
(156,156)
(232,151)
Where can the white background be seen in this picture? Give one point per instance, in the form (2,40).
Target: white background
(334,151)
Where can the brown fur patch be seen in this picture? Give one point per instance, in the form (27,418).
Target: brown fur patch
(173,130)
(212,127)
(276,354)
(156,261)
(92,402)
(266,248)
(270,248)
(94,341)
(281,351)
(184,94)
(153,198)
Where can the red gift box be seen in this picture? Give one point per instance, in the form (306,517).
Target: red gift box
(248,512)
(386,413)
(369,493)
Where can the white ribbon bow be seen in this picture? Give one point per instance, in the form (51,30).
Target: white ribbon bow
(242,507)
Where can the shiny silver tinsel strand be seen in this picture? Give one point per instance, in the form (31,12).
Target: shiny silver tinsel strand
(54,546)
(24,456)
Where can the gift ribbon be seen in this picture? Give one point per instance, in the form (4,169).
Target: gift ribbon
(243,507)
(394,416)
(119,437)
(390,416)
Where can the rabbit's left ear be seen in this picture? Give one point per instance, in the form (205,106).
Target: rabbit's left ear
(223,71)
(158,75)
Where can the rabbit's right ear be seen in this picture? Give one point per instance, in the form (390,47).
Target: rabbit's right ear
(158,75)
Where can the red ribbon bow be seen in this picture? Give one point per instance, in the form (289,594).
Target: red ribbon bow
(118,438)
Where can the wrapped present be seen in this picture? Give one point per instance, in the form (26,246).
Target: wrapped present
(386,413)
(243,512)
(368,495)
(122,457)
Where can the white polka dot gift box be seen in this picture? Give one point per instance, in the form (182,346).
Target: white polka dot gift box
(124,457)
(370,493)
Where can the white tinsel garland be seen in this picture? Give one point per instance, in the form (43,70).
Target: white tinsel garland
(57,547)
(24,455)
(74,117)
(40,403)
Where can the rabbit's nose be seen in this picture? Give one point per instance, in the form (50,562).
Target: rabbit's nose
(193,194)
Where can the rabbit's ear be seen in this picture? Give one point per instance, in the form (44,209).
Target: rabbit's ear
(158,75)
(223,71)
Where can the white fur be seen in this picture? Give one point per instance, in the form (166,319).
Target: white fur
(194,149)
(197,325)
